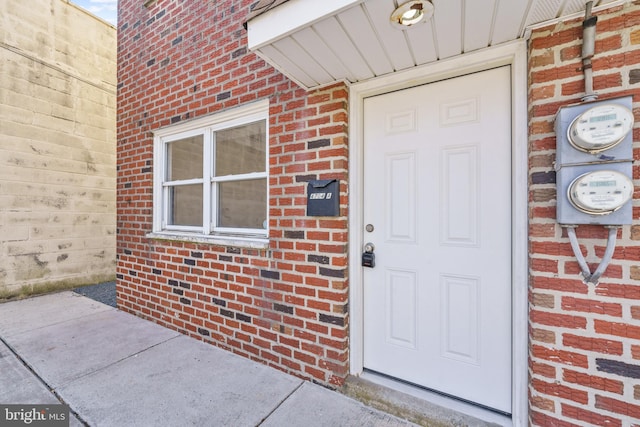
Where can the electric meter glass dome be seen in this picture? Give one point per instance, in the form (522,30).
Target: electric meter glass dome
(600,128)
(600,192)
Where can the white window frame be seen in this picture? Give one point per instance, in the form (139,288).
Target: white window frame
(207,127)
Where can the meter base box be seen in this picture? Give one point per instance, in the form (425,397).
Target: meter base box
(567,154)
(567,214)
(323,197)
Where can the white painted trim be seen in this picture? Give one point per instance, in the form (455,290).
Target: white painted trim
(514,54)
(289,17)
(520,236)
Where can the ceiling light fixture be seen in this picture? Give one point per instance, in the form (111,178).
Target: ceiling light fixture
(411,13)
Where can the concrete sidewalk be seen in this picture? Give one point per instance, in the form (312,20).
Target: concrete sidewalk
(114,369)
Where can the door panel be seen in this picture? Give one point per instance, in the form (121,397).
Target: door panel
(459,208)
(401,289)
(401,188)
(459,319)
(437,190)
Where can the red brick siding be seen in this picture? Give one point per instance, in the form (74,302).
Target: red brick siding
(285,306)
(584,340)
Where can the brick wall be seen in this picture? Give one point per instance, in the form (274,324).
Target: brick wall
(285,306)
(57,147)
(584,340)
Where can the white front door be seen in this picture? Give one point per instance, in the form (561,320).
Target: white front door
(437,208)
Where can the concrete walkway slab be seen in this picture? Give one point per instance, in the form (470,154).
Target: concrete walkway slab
(18,385)
(319,407)
(180,382)
(115,369)
(70,349)
(17,317)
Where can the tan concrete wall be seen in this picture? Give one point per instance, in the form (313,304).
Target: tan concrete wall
(57,146)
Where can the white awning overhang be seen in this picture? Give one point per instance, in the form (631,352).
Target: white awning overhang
(316,43)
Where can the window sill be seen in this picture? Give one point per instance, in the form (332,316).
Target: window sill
(252,242)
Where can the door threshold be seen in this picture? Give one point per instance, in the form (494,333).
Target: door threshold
(418,405)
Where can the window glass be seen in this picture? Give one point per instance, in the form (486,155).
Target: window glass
(242,204)
(185,205)
(184,158)
(240,149)
(211,176)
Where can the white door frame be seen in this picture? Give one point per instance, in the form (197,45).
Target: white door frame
(515,55)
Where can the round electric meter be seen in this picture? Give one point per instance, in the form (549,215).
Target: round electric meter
(600,128)
(600,192)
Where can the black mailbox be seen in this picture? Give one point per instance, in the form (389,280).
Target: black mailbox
(323,197)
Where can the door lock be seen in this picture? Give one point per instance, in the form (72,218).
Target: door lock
(368,257)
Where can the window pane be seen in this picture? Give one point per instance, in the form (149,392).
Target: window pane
(243,204)
(185,205)
(241,149)
(184,158)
